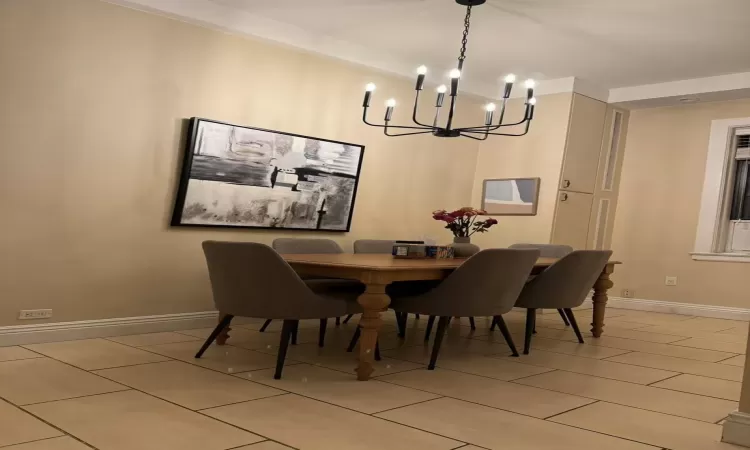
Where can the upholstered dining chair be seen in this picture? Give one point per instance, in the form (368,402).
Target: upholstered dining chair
(563,286)
(252,280)
(487,284)
(313,246)
(550,251)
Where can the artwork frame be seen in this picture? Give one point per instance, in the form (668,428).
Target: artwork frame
(286,180)
(518,205)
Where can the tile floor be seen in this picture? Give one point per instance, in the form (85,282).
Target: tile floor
(654,381)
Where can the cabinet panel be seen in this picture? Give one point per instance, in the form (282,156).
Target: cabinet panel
(572,216)
(583,147)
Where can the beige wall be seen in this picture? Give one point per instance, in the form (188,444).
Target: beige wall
(538,154)
(91,120)
(657,214)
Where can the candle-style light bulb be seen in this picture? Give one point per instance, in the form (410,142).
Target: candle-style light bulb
(529,89)
(441,95)
(509,80)
(391,102)
(455,73)
(455,76)
(490,111)
(368,93)
(421,71)
(531,106)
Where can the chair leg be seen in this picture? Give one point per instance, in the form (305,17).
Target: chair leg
(212,337)
(416,316)
(574,324)
(348,317)
(294,332)
(442,325)
(564,318)
(494,323)
(401,323)
(338,321)
(471,322)
(322,332)
(286,333)
(355,338)
(429,328)
(265,325)
(377,351)
(506,333)
(530,325)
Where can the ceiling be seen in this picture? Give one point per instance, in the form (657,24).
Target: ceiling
(610,43)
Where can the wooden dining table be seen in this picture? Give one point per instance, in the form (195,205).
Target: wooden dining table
(376,271)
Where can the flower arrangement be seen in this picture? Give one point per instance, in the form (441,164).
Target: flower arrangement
(463,222)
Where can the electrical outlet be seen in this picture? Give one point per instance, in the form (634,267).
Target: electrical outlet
(628,293)
(29,314)
(670,281)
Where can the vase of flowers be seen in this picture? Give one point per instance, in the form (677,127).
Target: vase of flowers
(463,223)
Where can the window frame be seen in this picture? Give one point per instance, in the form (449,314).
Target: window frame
(718,183)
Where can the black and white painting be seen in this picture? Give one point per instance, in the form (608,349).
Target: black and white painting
(235,176)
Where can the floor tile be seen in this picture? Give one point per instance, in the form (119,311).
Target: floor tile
(266,445)
(711,344)
(227,358)
(661,430)
(339,388)
(15,352)
(489,392)
(187,385)
(58,443)
(738,361)
(496,429)
(16,426)
(133,420)
(690,332)
(741,330)
(37,380)
(645,397)
(659,349)
(638,334)
(711,387)
(691,366)
(687,327)
(337,358)
(574,348)
(312,425)
(93,354)
(647,318)
(142,340)
(595,367)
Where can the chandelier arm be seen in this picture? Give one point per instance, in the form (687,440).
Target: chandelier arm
(526,130)
(500,125)
(475,138)
(364,119)
(414,114)
(385,131)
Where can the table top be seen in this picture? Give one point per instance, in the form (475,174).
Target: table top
(382,262)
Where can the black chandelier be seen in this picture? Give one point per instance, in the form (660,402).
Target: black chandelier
(477,132)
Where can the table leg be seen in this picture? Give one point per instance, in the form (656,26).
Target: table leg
(221,339)
(602,285)
(373,301)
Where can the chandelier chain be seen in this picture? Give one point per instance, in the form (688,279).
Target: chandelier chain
(465,40)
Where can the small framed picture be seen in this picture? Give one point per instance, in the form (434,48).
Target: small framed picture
(511,196)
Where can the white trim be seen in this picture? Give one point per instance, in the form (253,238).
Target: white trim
(688,309)
(714,183)
(723,257)
(84,329)
(737,429)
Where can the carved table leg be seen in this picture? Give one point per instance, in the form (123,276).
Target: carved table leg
(221,339)
(373,301)
(602,285)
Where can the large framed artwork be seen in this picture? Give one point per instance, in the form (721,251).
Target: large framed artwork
(511,196)
(244,177)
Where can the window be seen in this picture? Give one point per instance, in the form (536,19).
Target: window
(724,222)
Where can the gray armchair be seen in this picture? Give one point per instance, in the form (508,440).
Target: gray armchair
(380,246)
(251,280)
(487,284)
(562,286)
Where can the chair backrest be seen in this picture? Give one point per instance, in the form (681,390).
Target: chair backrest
(487,284)
(373,246)
(306,246)
(547,250)
(566,283)
(251,280)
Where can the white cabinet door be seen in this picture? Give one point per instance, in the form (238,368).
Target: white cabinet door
(584,144)
(571,225)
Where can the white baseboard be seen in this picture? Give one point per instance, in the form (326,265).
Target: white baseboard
(689,309)
(737,429)
(84,329)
